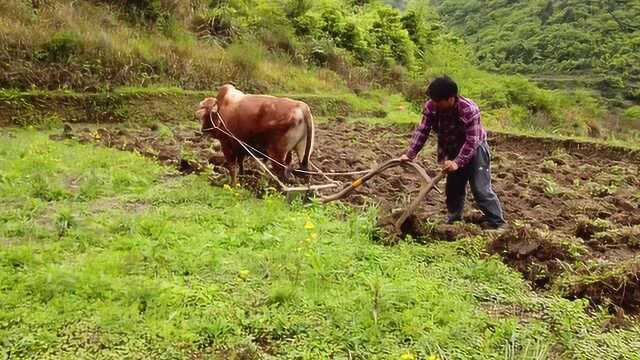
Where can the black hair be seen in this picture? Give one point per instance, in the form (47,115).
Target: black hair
(442,88)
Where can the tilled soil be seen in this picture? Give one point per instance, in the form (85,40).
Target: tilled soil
(573,209)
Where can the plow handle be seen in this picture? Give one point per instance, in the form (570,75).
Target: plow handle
(428,184)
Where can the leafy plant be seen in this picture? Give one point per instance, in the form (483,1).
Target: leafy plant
(64,222)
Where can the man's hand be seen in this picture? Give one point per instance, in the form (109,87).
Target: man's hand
(449,166)
(404,158)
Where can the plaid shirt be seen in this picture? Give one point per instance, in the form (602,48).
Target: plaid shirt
(459,131)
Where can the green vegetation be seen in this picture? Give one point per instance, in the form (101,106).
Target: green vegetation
(106,254)
(333,47)
(597,41)
(632,117)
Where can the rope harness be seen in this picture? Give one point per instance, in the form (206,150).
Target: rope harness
(428,183)
(252,151)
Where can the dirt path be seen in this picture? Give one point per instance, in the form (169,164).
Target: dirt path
(574,209)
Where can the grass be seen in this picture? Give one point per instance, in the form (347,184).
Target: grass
(143,105)
(86,45)
(139,106)
(103,47)
(107,255)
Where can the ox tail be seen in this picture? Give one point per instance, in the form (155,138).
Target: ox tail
(308,149)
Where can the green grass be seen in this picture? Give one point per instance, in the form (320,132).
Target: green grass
(165,46)
(107,255)
(138,106)
(631,142)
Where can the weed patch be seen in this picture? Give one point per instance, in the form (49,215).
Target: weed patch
(215,272)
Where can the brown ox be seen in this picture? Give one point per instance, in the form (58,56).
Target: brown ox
(275,126)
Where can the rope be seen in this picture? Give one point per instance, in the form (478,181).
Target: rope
(245,145)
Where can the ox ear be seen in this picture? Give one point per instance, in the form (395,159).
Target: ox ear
(214,105)
(209,103)
(207,106)
(200,113)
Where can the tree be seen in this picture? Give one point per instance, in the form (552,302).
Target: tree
(391,38)
(546,12)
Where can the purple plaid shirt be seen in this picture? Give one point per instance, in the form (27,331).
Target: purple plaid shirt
(459,131)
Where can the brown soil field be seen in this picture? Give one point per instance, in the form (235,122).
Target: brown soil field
(573,208)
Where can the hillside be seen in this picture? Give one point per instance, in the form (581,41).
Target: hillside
(288,46)
(595,41)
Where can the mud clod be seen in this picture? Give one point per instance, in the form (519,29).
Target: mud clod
(628,235)
(387,227)
(614,285)
(451,232)
(586,228)
(535,252)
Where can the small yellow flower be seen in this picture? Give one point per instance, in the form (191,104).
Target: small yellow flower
(314,236)
(433,357)
(309,225)
(407,356)
(243,274)
(227,187)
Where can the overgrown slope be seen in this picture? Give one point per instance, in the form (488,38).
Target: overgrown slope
(286,46)
(598,41)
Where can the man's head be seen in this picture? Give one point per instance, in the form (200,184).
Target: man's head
(443,92)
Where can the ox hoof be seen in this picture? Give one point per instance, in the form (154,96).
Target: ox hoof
(301,173)
(286,174)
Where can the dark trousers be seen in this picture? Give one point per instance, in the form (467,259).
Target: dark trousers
(478,174)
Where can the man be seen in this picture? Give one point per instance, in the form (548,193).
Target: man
(463,151)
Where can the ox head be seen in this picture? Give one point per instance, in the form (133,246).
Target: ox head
(207,114)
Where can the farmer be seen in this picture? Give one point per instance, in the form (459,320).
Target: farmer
(463,151)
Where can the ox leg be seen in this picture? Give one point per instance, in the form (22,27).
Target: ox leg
(287,161)
(234,175)
(300,147)
(233,172)
(231,164)
(279,156)
(240,160)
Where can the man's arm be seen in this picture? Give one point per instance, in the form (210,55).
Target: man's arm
(470,117)
(420,134)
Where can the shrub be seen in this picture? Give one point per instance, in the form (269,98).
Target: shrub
(308,25)
(297,8)
(217,23)
(333,24)
(391,39)
(631,117)
(247,56)
(280,41)
(415,24)
(60,47)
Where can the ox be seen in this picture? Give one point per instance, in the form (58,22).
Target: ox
(275,126)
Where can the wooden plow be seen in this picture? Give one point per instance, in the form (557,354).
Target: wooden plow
(428,184)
